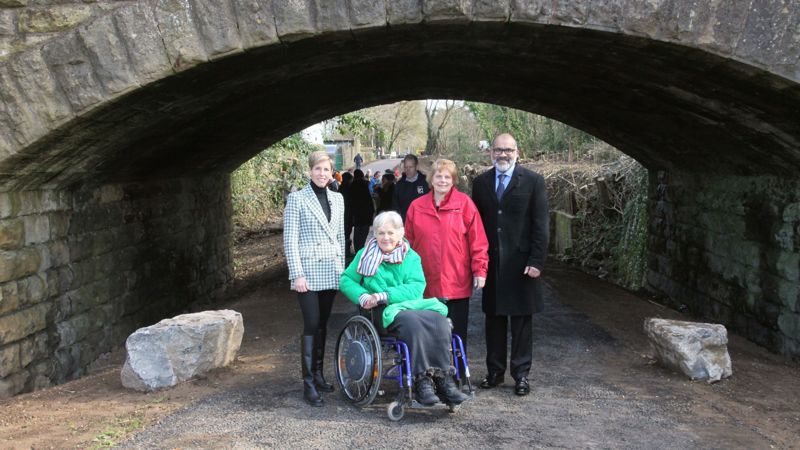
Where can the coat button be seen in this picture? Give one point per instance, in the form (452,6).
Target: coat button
(500,211)
(499,229)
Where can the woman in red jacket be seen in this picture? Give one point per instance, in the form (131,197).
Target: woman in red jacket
(444,227)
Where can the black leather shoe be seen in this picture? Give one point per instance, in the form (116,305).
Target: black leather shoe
(522,387)
(492,380)
(424,391)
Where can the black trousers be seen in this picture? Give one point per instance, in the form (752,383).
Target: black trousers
(316,307)
(458,312)
(521,344)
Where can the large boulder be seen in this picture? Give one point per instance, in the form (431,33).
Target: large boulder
(699,350)
(177,349)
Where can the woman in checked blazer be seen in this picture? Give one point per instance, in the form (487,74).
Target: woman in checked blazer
(313,241)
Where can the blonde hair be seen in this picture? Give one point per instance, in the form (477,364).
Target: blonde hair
(317,157)
(445,164)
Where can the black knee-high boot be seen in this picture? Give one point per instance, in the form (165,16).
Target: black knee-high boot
(310,393)
(319,353)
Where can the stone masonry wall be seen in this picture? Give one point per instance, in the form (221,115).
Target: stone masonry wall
(80,270)
(728,248)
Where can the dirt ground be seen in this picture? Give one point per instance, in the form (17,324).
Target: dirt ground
(593,386)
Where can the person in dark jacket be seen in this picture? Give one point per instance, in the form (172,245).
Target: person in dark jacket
(384,193)
(512,202)
(347,180)
(410,187)
(361,209)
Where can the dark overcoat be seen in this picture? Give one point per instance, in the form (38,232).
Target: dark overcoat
(517,230)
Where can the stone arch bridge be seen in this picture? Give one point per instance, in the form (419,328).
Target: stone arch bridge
(121,120)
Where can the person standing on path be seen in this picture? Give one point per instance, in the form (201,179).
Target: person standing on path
(313,241)
(512,202)
(410,187)
(444,227)
(361,209)
(358,160)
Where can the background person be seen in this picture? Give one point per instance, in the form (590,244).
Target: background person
(313,241)
(384,193)
(411,186)
(361,209)
(347,180)
(444,227)
(512,202)
(388,270)
(358,160)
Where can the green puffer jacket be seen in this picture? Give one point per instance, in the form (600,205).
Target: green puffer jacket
(404,283)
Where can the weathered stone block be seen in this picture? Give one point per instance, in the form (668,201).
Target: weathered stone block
(73,69)
(256,22)
(9,360)
(37,229)
(294,19)
(536,11)
(8,23)
(109,55)
(177,349)
(367,13)
(332,15)
(6,206)
(698,350)
(491,10)
(16,115)
(12,234)
(9,297)
(447,10)
(16,326)
(33,348)
(53,18)
(217,26)
(19,264)
(139,30)
(13,384)
(179,33)
(40,87)
(789,324)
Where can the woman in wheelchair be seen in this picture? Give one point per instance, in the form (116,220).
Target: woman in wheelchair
(387,271)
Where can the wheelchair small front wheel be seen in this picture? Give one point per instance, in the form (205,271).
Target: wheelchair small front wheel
(396,410)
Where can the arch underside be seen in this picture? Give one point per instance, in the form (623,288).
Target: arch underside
(668,106)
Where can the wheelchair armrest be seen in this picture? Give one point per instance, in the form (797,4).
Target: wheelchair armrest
(443,299)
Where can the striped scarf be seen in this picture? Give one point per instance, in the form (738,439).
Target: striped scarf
(373,256)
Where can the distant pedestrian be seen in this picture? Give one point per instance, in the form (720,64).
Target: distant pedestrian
(374,181)
(361,209)
(358,160)
(411,186)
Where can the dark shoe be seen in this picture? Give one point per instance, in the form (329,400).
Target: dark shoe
(448,391)
(319,358)
(492,380)
(424,391)
(522,387)
(310,393)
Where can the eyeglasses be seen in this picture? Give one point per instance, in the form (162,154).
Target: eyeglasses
(507,151)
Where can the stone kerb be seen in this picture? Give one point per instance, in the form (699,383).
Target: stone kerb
(97,52)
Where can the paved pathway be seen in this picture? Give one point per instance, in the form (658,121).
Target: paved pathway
(590,389)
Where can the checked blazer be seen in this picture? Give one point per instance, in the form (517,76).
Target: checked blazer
(313,246)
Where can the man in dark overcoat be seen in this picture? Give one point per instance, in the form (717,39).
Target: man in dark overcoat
(512,202)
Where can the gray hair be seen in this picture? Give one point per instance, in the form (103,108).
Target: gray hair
(390,217)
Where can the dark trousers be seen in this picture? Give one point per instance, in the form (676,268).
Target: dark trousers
(521,344)
(360,233)
(316,307)
(348,229)
(458,312)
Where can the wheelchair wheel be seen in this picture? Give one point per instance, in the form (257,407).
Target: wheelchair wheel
(358,361)
(396,410)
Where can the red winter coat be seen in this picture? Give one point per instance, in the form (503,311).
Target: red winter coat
(451,242)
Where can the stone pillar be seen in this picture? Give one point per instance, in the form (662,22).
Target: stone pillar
(82,269)
(728,249)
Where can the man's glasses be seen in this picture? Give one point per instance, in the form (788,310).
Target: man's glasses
(500,151)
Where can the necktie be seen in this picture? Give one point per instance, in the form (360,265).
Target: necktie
(500,186)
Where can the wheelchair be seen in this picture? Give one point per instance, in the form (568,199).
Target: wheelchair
(366,355)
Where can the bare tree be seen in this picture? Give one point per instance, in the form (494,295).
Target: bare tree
(436,119)
(400,121)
